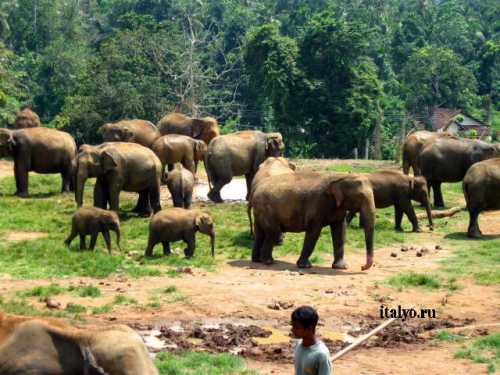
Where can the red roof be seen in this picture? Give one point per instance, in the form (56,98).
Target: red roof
(441,117)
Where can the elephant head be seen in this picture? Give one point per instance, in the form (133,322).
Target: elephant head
(205,224)
(205,128)
(92,161)
(420,193)
(274,144)
(354,192)
(7,142)
(27,119)
(482,151)
(116,132)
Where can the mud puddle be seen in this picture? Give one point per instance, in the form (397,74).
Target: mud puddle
(275,344)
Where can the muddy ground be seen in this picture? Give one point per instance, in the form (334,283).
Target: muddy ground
(245,309)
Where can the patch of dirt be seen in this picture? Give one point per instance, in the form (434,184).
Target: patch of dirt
(24,236)
(6,168)
(489,223)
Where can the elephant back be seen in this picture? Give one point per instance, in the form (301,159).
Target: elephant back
(176,123)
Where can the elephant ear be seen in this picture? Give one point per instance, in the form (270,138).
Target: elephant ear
(292,166)
(128,135)
(6,138)
(335,190)
(198,127)
(108,160)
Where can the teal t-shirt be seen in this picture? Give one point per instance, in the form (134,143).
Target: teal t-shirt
(312,360)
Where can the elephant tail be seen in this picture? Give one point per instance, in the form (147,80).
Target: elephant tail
(406,161)
(466,194)
(207,170)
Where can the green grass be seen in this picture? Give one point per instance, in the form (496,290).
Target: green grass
(75,308)
(42,292)
(420,280)
(483,350)
(86,291)
(170,289)
(447,336)
(192,363)
(122,299)
(104,309)
(20,306)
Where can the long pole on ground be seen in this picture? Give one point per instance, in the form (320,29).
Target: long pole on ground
(363,339)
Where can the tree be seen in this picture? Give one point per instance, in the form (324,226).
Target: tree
(434,77)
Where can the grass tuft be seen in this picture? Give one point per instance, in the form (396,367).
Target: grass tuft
(483,350)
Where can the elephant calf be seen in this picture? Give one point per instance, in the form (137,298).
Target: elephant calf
(94,221)
(393,188)
(177,224)
(482,191)
(180,183)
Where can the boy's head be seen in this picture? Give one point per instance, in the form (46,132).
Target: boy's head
(304,321)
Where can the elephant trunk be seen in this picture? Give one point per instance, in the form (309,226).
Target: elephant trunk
(367,215)
(429,212)
(212,243)
(81,178)
(117,231)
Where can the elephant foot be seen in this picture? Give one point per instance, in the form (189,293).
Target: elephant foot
(256,259)
(439,205)
(268,262)
(417,230)
(214,196)
(279,242)
(304,263)
(474,234)
(22,194)
(398,229)
(339,265)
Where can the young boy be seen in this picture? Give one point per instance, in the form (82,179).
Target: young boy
(311,355)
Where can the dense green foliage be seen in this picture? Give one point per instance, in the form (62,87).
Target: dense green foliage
(329,74)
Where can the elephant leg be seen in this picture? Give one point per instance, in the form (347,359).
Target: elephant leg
(398,217)
(270,239)
(257,245)
(248,179)
(188,200)
(473,231)
(438,195)
(21,175)
(100,195)
(151,244)
(350,215)
(189,165)
(218,184)
(107,239)
(71,237)
(114,197)
(66,177)
(191,245)
(142,207)
(310,240)
(154,198)
(408,209)
(93,240)
(337,231)
(170,167)
(166,248)
(177,200)
(83,245)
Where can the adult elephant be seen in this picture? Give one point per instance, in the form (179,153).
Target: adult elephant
(307,202)
(482,192)
(393,188)
(41,346)
(137,131)
(176,148)
(413,146)
(448,159)
(120,166)
(272,166)
(239,154)
(40,150)
(27,119)
(205,128)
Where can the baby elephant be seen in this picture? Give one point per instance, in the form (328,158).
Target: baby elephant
(180,183)
(177,224)
(94,221)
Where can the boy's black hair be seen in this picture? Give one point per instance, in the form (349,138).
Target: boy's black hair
(306,316)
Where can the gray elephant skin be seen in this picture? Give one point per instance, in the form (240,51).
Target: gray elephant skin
(92,221)
(272,166)
(414,145)
(177,224)
(307,202)
(40,150)
(205,128)
(175,148)
(120,166)
(239,154)
(481,188)
(393,188)
(180,183)
(448,159)
(137,131)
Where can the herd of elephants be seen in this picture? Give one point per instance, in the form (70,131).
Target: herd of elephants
(135,153)
(281,198)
